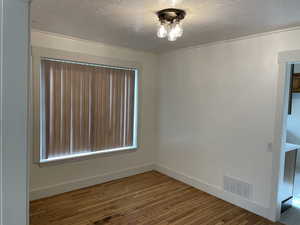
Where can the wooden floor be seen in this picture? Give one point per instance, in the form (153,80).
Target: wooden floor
(149,198)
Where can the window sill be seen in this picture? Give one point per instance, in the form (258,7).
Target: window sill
(86,155)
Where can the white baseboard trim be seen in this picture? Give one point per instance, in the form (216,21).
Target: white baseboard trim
(216,191)
(86,182)
(208,188)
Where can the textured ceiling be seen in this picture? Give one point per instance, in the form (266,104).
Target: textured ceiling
(133,23)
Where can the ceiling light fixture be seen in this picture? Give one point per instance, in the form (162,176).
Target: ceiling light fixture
(170,25)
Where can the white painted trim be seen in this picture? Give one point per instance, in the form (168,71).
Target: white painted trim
(13,147)
(192,181)
(28,116)
(35,98)
(100,44)
(87,181)
(245,37)
(86,154)
(284,58)
(215,191)
(1,111)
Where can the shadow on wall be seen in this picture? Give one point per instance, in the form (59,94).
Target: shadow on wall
(293,124)
(292,137)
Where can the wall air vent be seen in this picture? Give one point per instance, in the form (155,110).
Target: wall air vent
(238,187)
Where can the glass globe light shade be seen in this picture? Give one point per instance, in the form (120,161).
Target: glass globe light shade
(172,35)
(162,31)
(178,29)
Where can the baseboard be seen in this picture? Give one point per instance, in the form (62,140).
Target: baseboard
(208,188)
(216,191)
(86,182)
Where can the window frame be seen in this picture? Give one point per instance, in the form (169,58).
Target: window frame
(37,114)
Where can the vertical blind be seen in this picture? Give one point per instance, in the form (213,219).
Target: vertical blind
(86,108)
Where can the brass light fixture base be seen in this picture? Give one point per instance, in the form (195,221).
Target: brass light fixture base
(171,15)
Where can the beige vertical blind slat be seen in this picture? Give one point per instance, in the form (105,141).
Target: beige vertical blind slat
(87,108)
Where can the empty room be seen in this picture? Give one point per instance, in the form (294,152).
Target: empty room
(150,112)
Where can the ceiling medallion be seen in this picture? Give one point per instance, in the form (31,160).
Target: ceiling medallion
(170,25)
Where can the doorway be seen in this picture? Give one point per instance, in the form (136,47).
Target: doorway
(286,159)
(290,190)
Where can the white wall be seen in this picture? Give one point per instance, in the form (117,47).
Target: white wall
(57,178)
(13,100)
(211,109)
(217,112)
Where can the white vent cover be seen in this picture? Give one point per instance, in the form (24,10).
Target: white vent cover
(238,187)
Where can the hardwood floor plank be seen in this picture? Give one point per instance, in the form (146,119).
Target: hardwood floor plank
(146,199)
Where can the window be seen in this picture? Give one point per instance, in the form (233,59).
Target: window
(86,109)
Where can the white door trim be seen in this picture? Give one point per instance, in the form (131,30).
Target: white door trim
(284,59)
(14,58)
